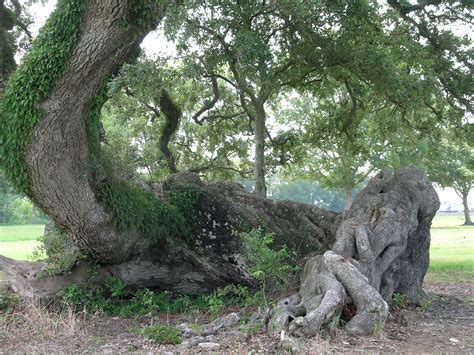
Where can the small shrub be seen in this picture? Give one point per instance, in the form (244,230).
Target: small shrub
(232,295)
(399,301)
(425,305)
(7,299)
(61,253)
(162,334)
(114,299)
(272,268)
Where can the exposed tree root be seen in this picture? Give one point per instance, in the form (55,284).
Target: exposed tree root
(381,247)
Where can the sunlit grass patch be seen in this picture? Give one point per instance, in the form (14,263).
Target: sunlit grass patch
(18,233)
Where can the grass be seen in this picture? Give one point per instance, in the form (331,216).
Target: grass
(452,250)
(19,242)
(21,232)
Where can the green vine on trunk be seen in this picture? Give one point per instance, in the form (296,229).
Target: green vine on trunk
(31,84)
(133,207)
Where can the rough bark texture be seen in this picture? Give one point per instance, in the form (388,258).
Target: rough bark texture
(58,154)
(347,198)
(381,247)
(213,259)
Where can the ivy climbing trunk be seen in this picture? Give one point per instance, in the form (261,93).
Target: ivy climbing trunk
(58,158)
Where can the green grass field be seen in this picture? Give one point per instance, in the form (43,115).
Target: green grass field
(451,253)
(19,242)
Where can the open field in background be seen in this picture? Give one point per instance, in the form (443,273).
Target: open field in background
(451,254)
(21,232)
(19,242)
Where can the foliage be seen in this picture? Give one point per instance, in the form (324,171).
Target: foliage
(114,299)
(135,208)
(31,84)
(399,301)
(15,208)
(133,117)
(272,268)
(307,191)
(8,299)
(61,253)
(232,295)
(451,164)
(162,334)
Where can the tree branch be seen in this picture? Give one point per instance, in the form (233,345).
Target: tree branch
(209,105)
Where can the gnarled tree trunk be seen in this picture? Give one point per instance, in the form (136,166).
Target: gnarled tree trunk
(214,258)
(58,155)
(381,247)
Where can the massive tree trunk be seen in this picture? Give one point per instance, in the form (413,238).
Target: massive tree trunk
(467,213)
(214,257)
(7,51)
(381,247)
(58,155)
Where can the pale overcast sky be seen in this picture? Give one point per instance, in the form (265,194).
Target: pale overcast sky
(154,44)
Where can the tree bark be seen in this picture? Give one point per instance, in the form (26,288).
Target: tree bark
(260,185)
(7,60)
(58,157)
(214,258)
(381,247)
(172,115)
(347,198)
(467,213)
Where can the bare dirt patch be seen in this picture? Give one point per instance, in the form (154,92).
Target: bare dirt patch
(446,325)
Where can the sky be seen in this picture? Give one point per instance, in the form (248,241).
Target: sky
(156,45)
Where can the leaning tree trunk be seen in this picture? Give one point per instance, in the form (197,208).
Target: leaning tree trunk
(381,247)
(215,256)
(58,155)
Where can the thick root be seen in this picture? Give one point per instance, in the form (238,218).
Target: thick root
(381,247)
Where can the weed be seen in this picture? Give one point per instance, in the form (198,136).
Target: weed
(250,329)
(425,305)
(377,326)
(162,334)
(271,268)
(399,301)
(7,299)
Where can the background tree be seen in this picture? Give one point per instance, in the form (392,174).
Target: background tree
(451,164)
(240,44)
(209,141)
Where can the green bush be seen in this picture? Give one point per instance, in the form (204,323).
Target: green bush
(115,299)
(61,253)
(7,299)
(399,301)
(272,268)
